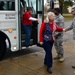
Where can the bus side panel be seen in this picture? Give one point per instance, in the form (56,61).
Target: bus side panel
(8,25)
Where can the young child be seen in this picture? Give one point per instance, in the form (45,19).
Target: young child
(27,24)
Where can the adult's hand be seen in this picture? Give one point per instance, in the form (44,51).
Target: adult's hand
(38,20)
(41,43)
(65,30)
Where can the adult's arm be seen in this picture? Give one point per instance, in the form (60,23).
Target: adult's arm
(33,19)
(42,28)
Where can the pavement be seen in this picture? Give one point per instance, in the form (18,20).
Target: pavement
(30,60)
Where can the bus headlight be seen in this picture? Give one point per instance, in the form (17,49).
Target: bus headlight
(15,48)
(10,30)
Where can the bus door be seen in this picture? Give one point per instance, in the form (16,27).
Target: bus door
(40,15)
(9,22)
(37,6)
(37,13)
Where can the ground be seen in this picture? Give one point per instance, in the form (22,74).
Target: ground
(30,61)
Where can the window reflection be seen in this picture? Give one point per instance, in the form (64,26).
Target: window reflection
(1,5)
(31,3)
(7,5)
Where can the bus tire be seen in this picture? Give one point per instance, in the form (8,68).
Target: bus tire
(2,48)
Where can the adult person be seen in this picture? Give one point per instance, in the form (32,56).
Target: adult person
(72,25)
(47,38)
(27,23)
(59,36)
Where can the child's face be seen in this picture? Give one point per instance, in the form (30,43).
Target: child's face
(30,11)
(52,17)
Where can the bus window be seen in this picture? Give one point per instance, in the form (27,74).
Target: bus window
(29,3)
(12,6)
(1,5)
(32,3)
(7,5)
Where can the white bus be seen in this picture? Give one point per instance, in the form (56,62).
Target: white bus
(12,34)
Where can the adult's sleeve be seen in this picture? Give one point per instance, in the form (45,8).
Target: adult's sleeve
(33,19)
(59,29)
(60,20)
(42,29)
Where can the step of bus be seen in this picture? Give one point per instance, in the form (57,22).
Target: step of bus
(29,46)
(23,41)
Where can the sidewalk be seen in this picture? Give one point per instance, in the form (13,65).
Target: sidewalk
(32,63)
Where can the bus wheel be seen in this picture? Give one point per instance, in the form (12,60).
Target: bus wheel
(2,48)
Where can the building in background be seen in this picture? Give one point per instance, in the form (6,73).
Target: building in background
(56,3)
(70,0)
